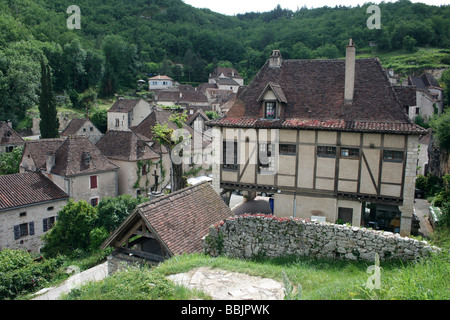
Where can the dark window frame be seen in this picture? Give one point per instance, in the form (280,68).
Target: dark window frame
(287,149)
(326,151)
(393,155)
(353,153)
(230,166)
(273,107)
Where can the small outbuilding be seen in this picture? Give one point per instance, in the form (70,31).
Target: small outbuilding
(167,226)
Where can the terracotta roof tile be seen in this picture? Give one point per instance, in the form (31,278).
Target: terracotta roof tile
(183,218)
(23,189)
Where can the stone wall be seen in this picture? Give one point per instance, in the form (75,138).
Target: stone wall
(248,236)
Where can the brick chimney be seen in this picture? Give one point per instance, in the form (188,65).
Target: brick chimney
(349,72)
(275,59)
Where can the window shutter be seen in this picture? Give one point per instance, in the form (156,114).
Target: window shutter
(16,232)
(31,226)
(93,182)
(45,225)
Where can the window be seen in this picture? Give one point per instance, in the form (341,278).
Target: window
(326,151)
(391,155)
(23,229)
(265,158)
(288,149)
(48,223)
(94,202)
(144,169)
(50,208)
(22,214)
(117,123)
(9,148)
(93,182)
(345,215)
(271,110)
(229,155)
(349,152)
(91,129)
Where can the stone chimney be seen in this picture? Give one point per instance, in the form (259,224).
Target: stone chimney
(275,59)
(349,72)
(50,161)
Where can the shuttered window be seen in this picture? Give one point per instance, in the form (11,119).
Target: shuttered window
(93,182)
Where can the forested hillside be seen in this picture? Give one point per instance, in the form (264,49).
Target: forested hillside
(121,41)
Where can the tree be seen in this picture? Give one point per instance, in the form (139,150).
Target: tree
(10,161)
(100,119)
(49,124)
(174,142)
(72,229)
(408,43)
(441,129)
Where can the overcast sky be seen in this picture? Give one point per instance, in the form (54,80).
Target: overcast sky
(232,7)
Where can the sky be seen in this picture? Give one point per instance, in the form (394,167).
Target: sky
(232,7)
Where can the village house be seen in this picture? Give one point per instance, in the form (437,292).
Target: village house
(141,168)
(223,73)
(429,96)
(160,82)
(194,154)
(197,121)
(182,97)
(29,205)
(75,164)
(167,226)
(126,113)
(9,139)
(82,127)
(328,137)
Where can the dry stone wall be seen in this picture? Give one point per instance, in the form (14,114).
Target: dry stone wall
(248,236)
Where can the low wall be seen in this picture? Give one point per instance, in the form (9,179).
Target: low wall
(248,236)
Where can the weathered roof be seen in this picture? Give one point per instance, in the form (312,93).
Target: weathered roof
(38,150)
(406,95)
(181,97)
(227,72)
(75,125)
(125,145)
(77,155)
(227,82)
(24,189)
(160,77)
(181,219)
(314,95)
(124,105)
(8,135)
(197,113)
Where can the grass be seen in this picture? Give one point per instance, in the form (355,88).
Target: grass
(317,279)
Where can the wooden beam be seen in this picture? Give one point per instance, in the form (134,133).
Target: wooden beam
(144,234)
(147,255)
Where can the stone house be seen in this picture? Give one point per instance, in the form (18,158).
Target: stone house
(160,82)
(222,73)
(328,137)
(126,113)
(429,96)
(9,139)
(82,127)
(170,225)
(197,121)
(141,168)
(77,166)
(29,204)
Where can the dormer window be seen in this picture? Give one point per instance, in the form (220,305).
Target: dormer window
(271,110)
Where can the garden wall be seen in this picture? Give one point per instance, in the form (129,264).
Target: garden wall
(248,236)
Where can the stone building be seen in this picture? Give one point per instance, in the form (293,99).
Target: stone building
(82,127)
(75,164)
(328,137)
(29,204)
(141,168)
(9,139)
(126,113)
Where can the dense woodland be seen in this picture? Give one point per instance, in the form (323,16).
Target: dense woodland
(121,41)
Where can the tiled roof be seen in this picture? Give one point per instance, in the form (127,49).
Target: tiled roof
(71,158)
(38,150)
(181,97)
(181,219)
(124,105)
(227,72)
(75,125)
(8,135)
(159,77)
(23,189)
(314,92)
(125,145)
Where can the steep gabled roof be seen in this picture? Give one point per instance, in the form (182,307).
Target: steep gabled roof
(125,145)
(38,150)
(8,135)
(124,105)
(79,156)
(227,72)
(179,220)
(75,125)
(314,91)
(25,189)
